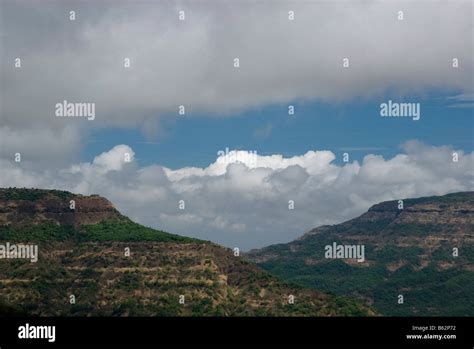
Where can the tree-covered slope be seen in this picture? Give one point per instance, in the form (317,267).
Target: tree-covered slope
(94,261)
(423,252)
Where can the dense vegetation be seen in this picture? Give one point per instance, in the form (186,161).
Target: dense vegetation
(407,252)
(32,194)
(115,230)
(41,232)
(109,230)
(426,291)
(150,282)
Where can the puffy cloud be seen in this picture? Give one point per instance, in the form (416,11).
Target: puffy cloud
(245,203)
(114,159)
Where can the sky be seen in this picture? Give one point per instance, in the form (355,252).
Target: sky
(335,63)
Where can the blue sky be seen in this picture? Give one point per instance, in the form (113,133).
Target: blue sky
(354,127)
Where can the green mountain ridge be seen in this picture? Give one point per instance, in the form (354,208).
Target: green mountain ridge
(83,254)
(408,252)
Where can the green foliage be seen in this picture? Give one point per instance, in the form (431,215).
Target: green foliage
(432,281)
(39,232)
(32,194)
(202,307)
(115,230)
(427,291)
(129,281)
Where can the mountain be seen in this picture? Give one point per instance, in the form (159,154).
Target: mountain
(409,250)
(83,244)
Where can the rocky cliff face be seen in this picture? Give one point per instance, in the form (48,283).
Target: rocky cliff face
(112,266)
(35,206)
(424,251)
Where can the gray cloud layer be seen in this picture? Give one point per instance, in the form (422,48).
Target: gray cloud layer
(190,62)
